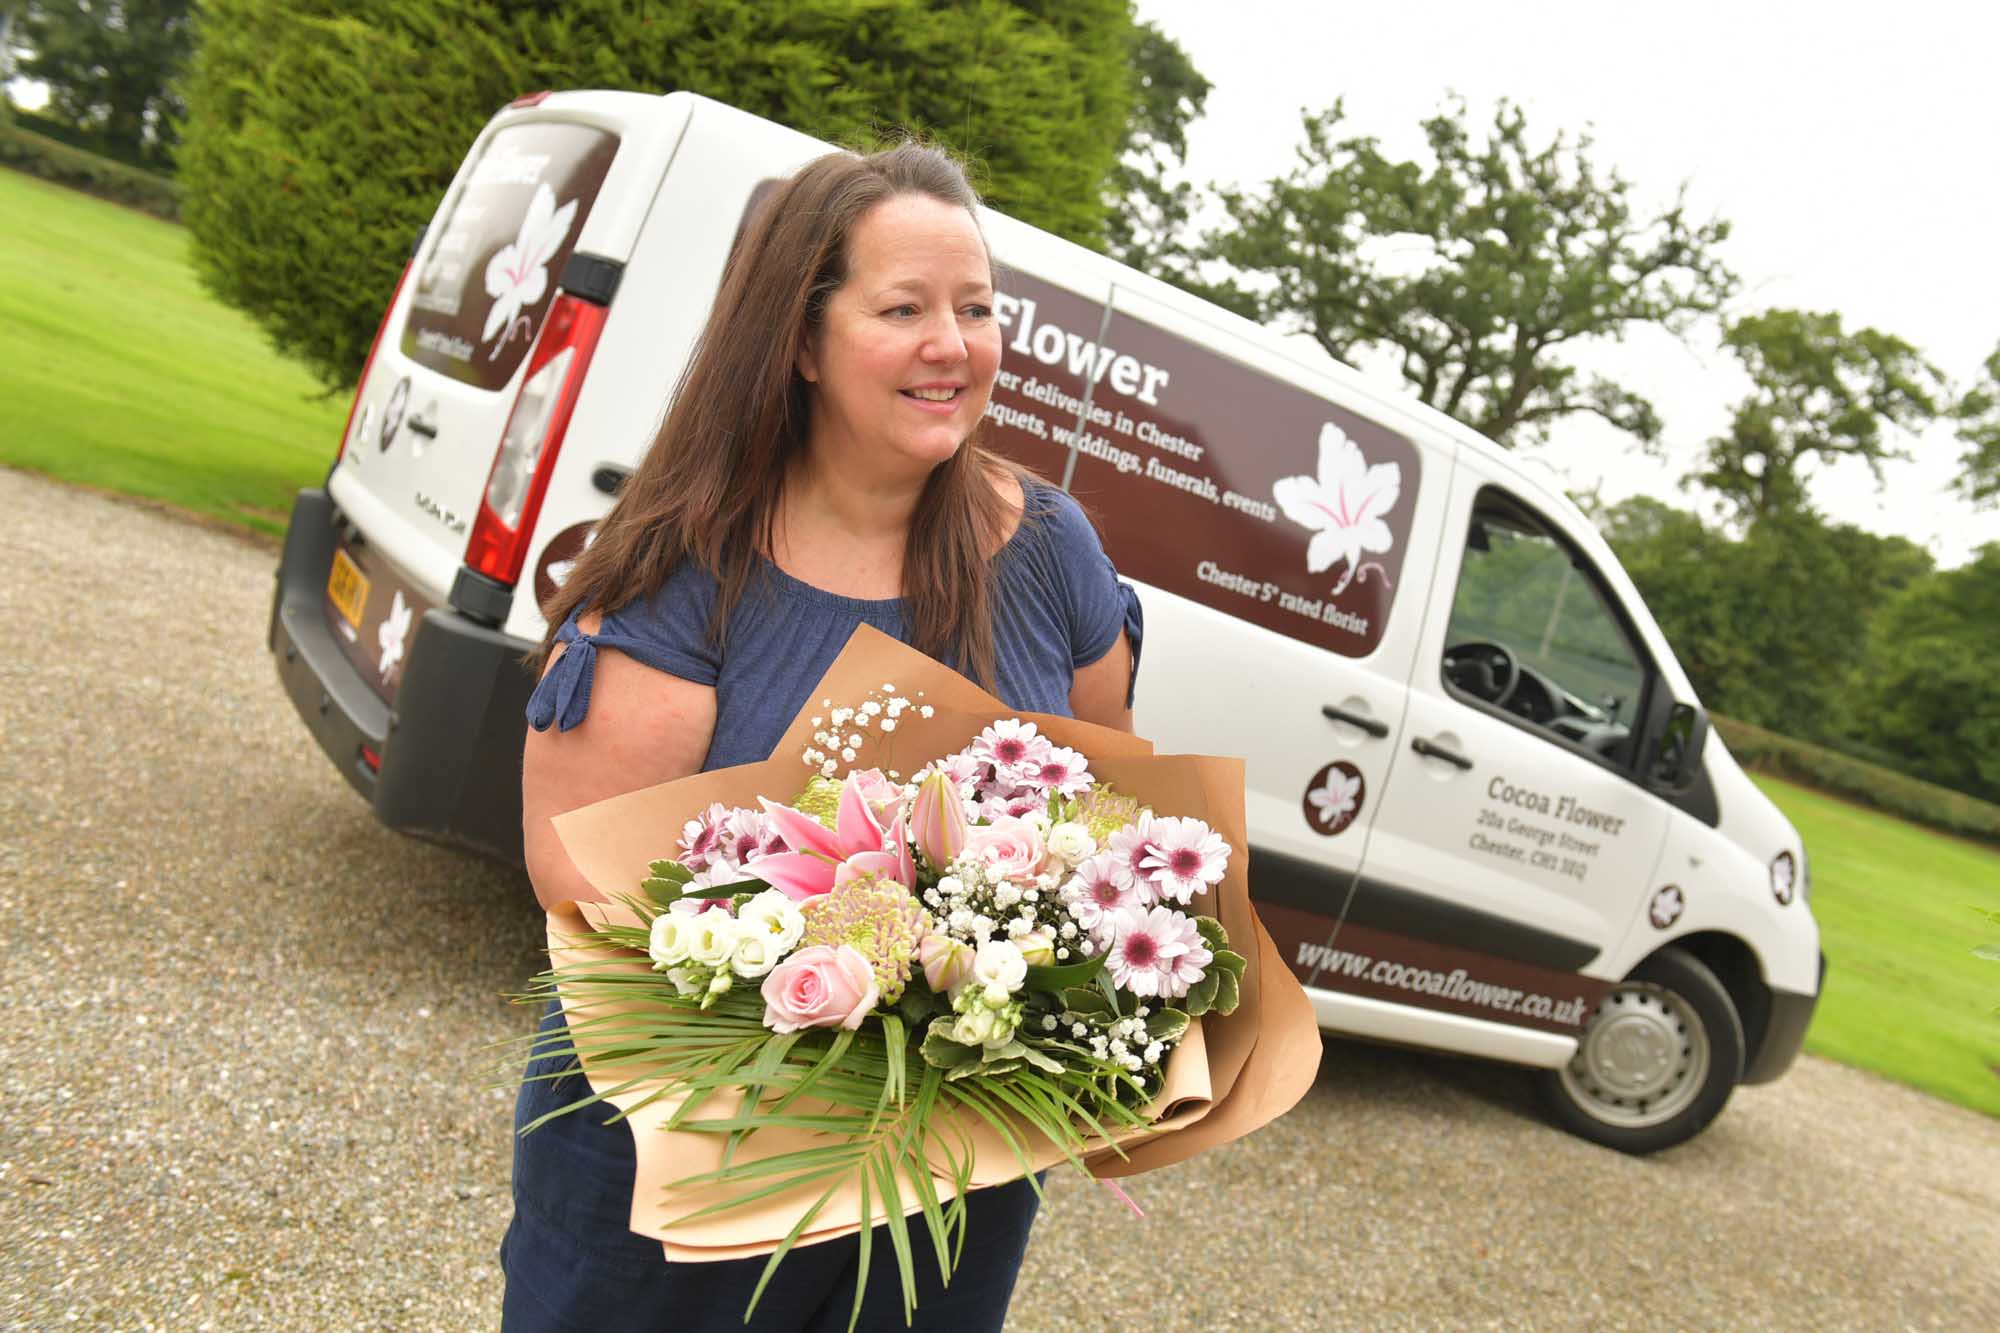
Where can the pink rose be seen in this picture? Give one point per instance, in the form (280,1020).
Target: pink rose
(885,798)
(821,987)
(1008,848)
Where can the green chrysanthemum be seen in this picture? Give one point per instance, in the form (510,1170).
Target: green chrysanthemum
(1103,810)
(878,917)
(820,800)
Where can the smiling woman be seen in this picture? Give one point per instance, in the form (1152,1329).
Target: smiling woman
(818,471)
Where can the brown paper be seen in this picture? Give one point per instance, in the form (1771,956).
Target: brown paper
(1230,1074)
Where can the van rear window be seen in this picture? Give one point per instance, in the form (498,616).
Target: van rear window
(500,246)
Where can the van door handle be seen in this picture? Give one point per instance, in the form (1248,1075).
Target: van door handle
(1432,750)
(424,428)
(1374,727)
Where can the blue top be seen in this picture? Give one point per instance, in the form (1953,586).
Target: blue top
(1059,605)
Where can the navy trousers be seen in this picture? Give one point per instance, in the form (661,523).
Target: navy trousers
(573,1264)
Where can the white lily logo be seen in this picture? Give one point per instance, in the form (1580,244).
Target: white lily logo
(1335,801)
(518,275)
(1346,505)
(394,629)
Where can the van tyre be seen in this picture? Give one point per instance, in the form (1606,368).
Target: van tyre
(1656,1062)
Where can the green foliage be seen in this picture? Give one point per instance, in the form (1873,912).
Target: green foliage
(1859,781)
(1149,213)
(86,171)
(89,141)
(1932,687)
(321,135)
(1977,416)
(1818,393)
(1772,628)
(111,66)
(1528,248)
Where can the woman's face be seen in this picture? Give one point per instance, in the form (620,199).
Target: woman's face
(903,361)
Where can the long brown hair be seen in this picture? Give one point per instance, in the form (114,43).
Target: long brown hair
(709,487)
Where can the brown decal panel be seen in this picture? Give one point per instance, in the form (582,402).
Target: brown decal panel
(1211,480)
(1299,935)
(373,612)
(501,246)
(1384,965)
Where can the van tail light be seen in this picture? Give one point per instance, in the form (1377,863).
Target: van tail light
(361,385)
(498,545)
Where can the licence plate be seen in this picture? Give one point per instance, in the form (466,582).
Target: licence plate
(347,589)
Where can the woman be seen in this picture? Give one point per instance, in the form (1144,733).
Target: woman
(815,473)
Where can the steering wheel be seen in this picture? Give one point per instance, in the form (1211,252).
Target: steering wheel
(1483,668)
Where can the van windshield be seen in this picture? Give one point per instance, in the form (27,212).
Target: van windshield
(490,271)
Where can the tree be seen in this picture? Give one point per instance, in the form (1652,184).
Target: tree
(1772,629)
(322,133)
(1149,214)
(111,67)
(1524,252)
(1978,418)
(1818,393)
(1933,677)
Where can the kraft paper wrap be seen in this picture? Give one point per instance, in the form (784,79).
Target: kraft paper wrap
(1230,1075)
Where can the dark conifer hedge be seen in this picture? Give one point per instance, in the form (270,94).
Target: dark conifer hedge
(321,133)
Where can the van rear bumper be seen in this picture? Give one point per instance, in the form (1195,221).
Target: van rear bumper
(1784,1031)
(450,748)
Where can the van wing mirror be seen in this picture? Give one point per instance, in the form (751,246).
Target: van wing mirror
(1677,752)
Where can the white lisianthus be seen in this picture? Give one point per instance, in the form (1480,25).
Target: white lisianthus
(712,938)
(974,1027)
(776,918)
(756,954)
(1000,963)
(1071,843)
(1039,817)
(688,980)
(1038,947)
(667,944)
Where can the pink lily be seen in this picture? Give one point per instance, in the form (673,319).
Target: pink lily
(821,857)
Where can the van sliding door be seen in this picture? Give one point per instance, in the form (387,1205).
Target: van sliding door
(1268,528)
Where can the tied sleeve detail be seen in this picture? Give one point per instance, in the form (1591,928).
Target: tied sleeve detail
(562,696)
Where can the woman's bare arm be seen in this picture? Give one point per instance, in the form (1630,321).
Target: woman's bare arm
(1097,692)
(643,727)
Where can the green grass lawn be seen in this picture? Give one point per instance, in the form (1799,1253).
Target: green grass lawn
(121,373)
(1904,995)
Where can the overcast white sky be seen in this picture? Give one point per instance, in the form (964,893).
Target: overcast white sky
(1856,149)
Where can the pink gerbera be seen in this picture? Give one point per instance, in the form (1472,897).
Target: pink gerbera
(1008,744)
(1156,952)
(1061,770)
(1094,894)
(1185,857)
(1129,848)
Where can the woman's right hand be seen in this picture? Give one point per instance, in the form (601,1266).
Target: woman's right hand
(644,727)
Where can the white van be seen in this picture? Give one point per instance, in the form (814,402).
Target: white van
(1487,814)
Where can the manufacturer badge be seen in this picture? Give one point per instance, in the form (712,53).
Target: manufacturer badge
(1334,798)
(1668,904)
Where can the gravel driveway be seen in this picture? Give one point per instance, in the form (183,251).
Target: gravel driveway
(241,1080)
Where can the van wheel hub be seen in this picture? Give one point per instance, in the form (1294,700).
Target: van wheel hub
(1642,1059)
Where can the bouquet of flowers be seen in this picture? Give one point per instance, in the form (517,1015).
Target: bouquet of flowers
(902,984)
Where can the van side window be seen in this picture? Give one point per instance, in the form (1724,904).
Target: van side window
(1534,634)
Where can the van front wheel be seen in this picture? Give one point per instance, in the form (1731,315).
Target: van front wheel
(1656,1062)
